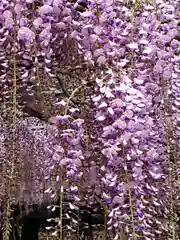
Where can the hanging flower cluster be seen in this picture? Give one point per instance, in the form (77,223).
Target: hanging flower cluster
(68,153)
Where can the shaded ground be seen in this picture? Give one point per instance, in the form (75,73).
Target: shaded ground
(97,235)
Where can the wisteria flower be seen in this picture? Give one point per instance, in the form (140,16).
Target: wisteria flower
(25,34)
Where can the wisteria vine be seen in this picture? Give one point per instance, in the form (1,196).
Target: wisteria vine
(119,143)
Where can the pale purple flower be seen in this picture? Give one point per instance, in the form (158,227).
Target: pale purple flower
(45,9)
(7,14)
(117,103)
(119,124)
(167,74)
(139,81)
(37,22)
(101,59)
(133,46)
(155,173)
(111,152)
(100,117)
(25,34)
(147,50)
(61,25)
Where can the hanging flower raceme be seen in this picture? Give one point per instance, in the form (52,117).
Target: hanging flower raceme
(68,158)
(69,152)
(137,131)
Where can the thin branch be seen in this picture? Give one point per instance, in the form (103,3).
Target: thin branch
(62,85)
